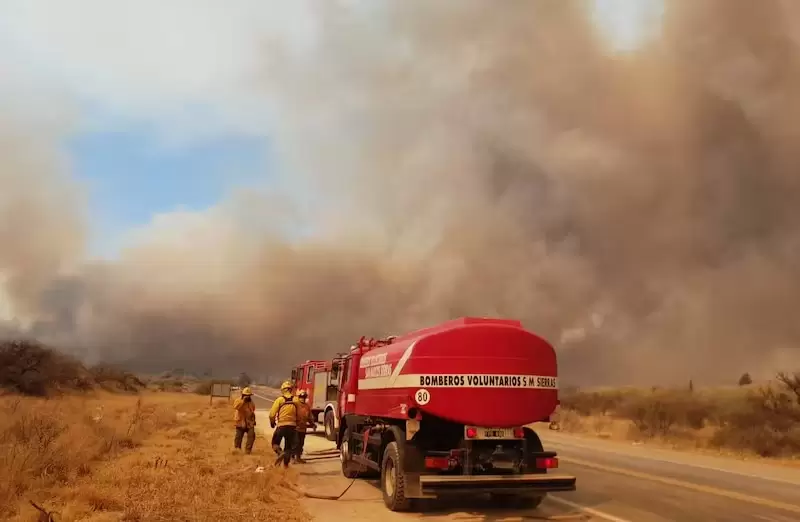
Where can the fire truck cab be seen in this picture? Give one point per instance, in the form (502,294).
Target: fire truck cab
(320,379)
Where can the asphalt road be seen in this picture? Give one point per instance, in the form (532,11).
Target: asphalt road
(616,482)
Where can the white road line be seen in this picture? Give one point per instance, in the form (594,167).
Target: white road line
(775,518)
(591,511)
(667,460)
(265,398)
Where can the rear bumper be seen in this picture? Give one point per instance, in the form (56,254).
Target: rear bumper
(438,485)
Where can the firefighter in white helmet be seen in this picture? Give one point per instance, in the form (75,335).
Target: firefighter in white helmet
(283,418)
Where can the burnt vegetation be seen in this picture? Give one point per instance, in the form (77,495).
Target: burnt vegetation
(764,420)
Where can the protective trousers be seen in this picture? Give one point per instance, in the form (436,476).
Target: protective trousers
(251,438)
(299,443)
(287,434)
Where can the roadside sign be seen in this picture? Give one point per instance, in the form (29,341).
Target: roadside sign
(220,389)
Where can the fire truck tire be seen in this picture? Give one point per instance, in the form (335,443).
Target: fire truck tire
(393,479)
(350,469)
(330,429)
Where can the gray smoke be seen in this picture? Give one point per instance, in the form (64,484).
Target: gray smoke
(41,226)
(458,159)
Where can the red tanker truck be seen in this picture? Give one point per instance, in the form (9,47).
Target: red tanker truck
(446,410)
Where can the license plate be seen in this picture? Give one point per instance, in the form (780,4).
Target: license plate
(489,433)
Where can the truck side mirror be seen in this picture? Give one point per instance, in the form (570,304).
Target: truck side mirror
(294,374)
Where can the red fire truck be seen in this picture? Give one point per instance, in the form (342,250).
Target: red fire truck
(444,410)
(320,379)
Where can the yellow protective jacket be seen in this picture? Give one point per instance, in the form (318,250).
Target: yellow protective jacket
(284,411)
(304,417)
(244,413)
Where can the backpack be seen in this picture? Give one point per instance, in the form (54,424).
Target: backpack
(287,401)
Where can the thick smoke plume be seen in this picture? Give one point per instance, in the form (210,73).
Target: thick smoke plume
(41,231)
(639,211)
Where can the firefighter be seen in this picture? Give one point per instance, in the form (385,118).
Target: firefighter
(305,420)
(245,418)
(283,418)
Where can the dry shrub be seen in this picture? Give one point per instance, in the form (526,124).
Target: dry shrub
(765,422)
(115,379)
(593,403)
(33,369)
(204,387)
(663,412)
(166,385)
(166,457)
(571,421)
(30,368)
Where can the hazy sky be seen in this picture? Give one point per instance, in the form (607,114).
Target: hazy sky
(161,100)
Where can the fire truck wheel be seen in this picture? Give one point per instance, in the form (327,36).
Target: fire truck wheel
(393,479)
(350,469)
(330,430)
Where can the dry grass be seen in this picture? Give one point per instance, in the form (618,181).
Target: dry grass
(763,421)
(152,457)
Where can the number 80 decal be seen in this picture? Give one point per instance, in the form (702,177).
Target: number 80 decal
(422,397)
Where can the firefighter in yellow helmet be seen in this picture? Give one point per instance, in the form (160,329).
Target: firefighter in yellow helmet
(245,418)
(283,418)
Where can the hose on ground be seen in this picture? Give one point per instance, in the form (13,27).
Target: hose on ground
(330,497)
(331,451)
(324,455)
(321,455)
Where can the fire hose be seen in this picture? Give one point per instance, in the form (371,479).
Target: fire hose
(330,497)
(325,455)
(322,455)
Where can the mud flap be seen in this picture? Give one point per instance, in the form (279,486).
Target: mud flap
(413,485)
(414,466)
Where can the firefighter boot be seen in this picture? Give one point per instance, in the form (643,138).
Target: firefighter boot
(278,453)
